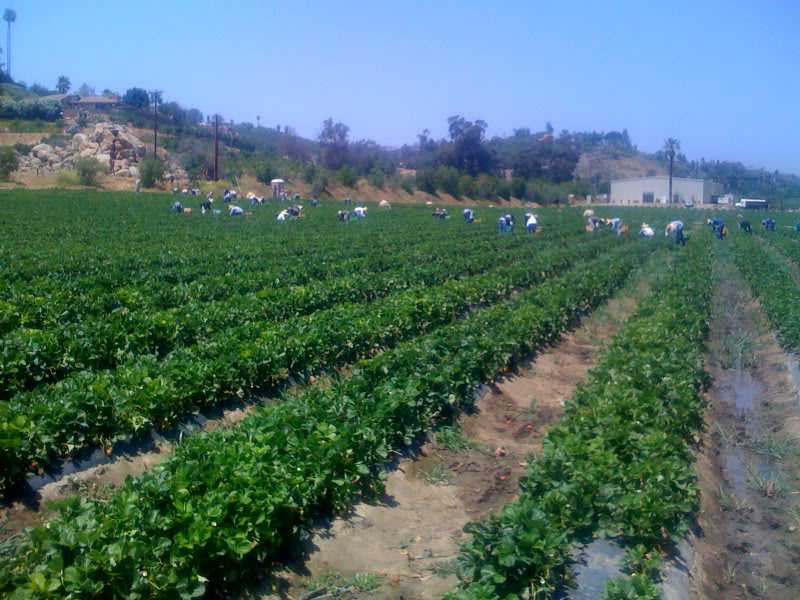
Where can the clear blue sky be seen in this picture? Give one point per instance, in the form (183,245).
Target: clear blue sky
(722,76)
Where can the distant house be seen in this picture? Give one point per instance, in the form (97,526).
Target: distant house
(92,102)
(655,190)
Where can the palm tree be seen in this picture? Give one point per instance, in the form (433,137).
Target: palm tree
(9,16)
(671,146)
(63,85)
(258,120)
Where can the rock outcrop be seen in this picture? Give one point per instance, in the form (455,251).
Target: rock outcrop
(105,141)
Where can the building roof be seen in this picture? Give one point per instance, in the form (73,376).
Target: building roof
(661,177)
(97,100)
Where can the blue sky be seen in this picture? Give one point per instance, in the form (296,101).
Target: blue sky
(721,76)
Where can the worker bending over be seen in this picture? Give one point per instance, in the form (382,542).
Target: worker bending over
(235,211)
(511,220)
(177,207)
(615,225)
(769,224)
(717,226)
(745,226)
(502,225)
(343,216)
(646,231)
(593,223)
(360,212)
(283,215)
(469,216)
(206,205)
(675,228)
(531,222)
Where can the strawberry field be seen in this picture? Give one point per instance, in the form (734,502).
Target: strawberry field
(349,343)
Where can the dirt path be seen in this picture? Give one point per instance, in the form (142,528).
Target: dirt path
(405,545)
(747,540)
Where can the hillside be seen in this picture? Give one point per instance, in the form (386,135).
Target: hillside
(610,164)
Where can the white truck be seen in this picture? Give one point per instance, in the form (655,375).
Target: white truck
(752,203)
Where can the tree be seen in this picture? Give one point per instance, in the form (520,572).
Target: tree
(8,162)
(63,85)
(258,120)
(671,146)
(151,172)
(86,90)
(335,145)
(109,94)
(467,151)
(39,89)
(195,116)
(9,16)
(137,98)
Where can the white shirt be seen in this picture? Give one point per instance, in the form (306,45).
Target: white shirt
(360,211)
(282,215)
(236,210)
(647,232)
(532,220)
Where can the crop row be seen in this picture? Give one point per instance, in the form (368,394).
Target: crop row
(619,463)
(98,406)
(48,301)
(230,500)
(773,283)
(29,357)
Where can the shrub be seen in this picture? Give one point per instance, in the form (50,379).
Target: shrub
(407,184)
(467,187)
(426,181)
(348,176)
(66,178)
(320,185)
(152,171)
(8,162)
(519,187)
(377,178)
(88,170)
(447,179)
(23,149)
(265,173)
(310,174)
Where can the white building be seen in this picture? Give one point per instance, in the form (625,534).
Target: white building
(655,190)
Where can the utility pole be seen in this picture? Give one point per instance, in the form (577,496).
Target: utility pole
(156,96)
(216,147)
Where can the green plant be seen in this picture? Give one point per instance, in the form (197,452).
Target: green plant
(8,162)
(377,178)
(265,173)
(88,170)
(407,184)
(452,437)
(151,172)
(23,149)
(774,446)
(437,474)
(728,501)
(66,178)
(770,486)
(348,176)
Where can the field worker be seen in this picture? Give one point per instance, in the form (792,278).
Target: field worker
(283,215)
(717,226)
(745,226)
(593,223)
(769,224)
(615,225)
(502,224)
(675,228)
(195,192)
(206,206)
(138,186)
(177,207)
(348,201)
(510,222)
(343,216)
(226,195)
(360,212)
(532,223)
(314,202)
(294,211)
(469,216)
(797,227)
(235,211)
(174,190)
(588,213)
(646,231)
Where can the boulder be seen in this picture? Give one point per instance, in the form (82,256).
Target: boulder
(80,139)
(122,173)
(134,171)
(103,159)
(45,148)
